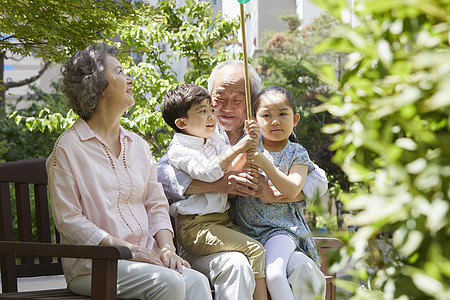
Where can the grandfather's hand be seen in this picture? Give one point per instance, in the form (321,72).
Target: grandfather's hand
(265,192)
(172,261)
(242,183)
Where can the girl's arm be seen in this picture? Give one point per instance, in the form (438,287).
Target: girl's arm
(269,194)
(289,185)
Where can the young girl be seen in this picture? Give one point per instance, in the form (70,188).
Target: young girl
(280,227)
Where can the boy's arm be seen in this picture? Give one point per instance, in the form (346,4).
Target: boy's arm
(246,143)
(196,165)
(227,158)
(238,163)
(174,181)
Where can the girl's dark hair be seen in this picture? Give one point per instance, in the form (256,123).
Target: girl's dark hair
(84,78)
(280,91)
(179,100)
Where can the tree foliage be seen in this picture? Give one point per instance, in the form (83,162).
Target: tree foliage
(285,62)
(157,37)
(394,99)
(172,32)
(17,141)
(53,29)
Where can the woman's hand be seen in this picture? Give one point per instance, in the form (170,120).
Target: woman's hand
(167,255)
(138,253)
(172,260)
(145,255)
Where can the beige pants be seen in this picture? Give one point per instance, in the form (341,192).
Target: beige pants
(232,277)
(137,280)
(229,273)
(212,233)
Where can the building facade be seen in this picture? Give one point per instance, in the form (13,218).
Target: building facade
(265,15)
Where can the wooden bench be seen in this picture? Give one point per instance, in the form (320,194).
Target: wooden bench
(21,255)
(325,245)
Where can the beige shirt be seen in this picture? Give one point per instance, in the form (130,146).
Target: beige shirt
(94,194)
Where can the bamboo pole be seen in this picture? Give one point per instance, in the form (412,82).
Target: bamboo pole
(246,77)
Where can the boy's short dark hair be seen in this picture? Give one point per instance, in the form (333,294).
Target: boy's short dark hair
(178,101)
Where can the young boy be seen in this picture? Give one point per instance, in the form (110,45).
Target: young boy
(204,226)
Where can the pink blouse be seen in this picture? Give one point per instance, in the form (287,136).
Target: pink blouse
(94,194)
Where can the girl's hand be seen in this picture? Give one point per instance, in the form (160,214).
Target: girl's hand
(256,159)
(172,260)
(252,129)
(145,255)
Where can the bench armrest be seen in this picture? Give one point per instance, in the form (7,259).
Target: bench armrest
(327,242)
(104,261)
(324,246)
(62,250)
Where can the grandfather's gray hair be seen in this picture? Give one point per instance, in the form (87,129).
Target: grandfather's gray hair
(255,80)
(84,78)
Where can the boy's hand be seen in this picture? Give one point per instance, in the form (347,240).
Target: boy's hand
(251,139)
(249,143)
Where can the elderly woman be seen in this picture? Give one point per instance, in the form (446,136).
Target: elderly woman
(103,187)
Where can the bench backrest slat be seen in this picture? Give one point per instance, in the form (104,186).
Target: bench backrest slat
(8,266)
(20,182)
(6,223)
(42,217)
(42,213)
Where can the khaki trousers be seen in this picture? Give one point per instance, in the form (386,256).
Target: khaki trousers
(213,233)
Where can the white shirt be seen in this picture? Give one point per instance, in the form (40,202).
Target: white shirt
(193,156)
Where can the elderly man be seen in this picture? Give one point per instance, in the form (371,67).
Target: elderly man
(230,272)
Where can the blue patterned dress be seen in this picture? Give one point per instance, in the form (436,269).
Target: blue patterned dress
(261,220)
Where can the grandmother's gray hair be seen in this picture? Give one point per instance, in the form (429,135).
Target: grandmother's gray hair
(255,80)
(84,78)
